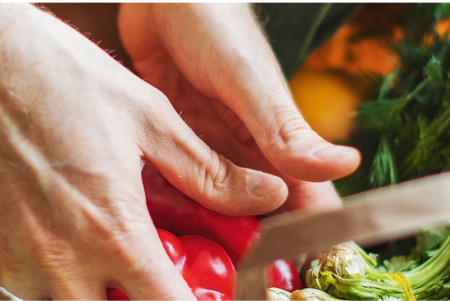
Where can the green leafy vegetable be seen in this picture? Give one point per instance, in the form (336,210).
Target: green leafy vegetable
(347,272)
(428,242)
(404,132)
(398,264)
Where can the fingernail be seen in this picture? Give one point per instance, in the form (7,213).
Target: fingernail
(332,151)
(262,184)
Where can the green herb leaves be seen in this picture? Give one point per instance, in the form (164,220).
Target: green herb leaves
(408,125)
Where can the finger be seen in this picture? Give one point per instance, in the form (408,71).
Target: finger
(286,139)
(76,287)
(313,197)
(241,70)
(202,174)
(130,257)
(150,274)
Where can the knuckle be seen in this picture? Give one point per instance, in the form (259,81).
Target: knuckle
(147,100)
(153,93)
(152,112)
(284,129)
(216,171)
(158,95)
(53,254)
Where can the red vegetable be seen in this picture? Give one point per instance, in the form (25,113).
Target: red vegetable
(283,274)
(116,294)
(203,263)
(173,211)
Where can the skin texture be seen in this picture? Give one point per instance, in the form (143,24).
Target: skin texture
(77,128)
(218,71)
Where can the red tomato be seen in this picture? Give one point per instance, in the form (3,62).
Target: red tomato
(203,263)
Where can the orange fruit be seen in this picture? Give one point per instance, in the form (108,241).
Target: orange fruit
(327,101)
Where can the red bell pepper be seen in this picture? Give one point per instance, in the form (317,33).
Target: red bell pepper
(173,211)
(204,265)
(283,274)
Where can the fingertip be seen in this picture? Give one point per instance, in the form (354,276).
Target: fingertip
(249,192)
(343,160)
(270,190)
(329,151)
(318,161)
(313,197)
(262,184)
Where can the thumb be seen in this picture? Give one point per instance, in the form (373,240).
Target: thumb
(289,144)
(241,70)
(199,172)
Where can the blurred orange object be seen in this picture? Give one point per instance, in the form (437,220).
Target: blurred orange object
(358,56)
(332,82)
(327,101)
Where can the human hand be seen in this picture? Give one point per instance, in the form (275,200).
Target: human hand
(215,66)
(76,129)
